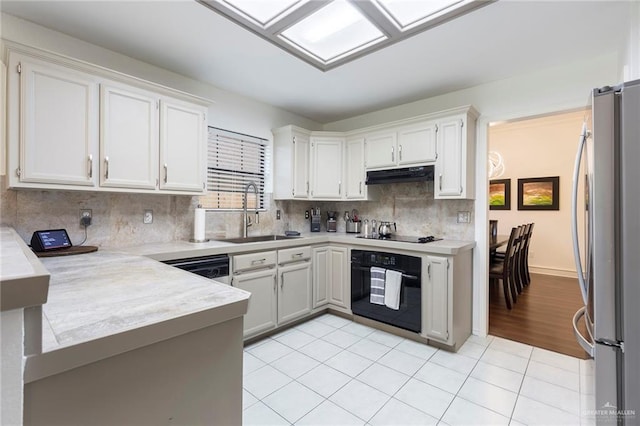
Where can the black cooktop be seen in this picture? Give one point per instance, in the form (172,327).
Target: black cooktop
(402,238)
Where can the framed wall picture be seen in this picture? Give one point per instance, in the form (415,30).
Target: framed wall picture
(541,193)
(500,194)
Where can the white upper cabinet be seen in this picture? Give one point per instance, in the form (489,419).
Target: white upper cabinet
(326,167)
(53,124)
(381,150)
(291,146)
(417,144)
(183,129)
(70,123)
(444,140)
(455,166)
(403,146)
(129,137)
(354,173)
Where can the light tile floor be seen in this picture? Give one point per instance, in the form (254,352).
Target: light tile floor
(332,371)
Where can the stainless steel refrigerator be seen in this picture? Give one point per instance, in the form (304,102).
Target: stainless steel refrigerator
(608,263)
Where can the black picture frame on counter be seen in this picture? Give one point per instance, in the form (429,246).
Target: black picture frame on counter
(500,194)
(541,193)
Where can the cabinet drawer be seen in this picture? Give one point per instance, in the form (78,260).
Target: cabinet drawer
(244,262)
(294,254)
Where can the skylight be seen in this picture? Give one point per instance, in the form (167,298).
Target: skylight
(329,33)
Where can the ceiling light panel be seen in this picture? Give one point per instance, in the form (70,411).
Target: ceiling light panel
(332,32)
(407,14)
(329,33)
(262,12)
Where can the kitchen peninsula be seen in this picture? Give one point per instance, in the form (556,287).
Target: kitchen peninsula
(122,332)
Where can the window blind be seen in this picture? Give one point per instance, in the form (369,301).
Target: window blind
(234,160)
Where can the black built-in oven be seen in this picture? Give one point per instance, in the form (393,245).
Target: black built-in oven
(408,316)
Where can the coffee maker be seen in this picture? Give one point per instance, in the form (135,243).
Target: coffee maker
(332,223)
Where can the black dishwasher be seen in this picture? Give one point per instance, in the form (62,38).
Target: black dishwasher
(212,267)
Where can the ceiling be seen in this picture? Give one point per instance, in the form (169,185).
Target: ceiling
(500,40)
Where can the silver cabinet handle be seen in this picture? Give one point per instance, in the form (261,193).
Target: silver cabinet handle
(90,160)
(293,256)
(340,188)
(282,280)
(106,167)
(307,187)
(258,261)
(231,282)
(360,187)
(429,270)
(400,152)
(275,282)
(440,181)
(166,172)
(393,158)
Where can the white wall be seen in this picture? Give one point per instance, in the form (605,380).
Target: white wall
(541,92)
(540,147)
(630,64)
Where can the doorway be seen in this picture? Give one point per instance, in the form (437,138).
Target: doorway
(530,148)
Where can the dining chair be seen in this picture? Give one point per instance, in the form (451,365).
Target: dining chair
(525,257)
(503,270)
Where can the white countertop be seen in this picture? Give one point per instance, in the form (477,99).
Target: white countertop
(185,249)
(108,302)
(23,280)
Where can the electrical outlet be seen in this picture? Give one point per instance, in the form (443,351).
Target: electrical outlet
(464,217)
(306,214)
(148,217)
(85,217)
(278,214)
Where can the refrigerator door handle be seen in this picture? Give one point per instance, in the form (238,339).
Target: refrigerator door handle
(574,212)
(584,343)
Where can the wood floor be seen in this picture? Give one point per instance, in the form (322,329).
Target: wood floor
(542,315)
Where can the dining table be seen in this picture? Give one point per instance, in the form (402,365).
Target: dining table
(495,243)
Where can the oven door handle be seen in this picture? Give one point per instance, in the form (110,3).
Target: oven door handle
(368,269)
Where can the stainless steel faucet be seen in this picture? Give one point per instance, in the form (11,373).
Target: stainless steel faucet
(246,218)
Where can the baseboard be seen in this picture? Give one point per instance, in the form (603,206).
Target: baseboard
(566,273)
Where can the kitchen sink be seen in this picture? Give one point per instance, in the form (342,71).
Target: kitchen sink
(258,238)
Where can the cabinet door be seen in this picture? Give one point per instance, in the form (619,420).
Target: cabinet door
(129,138)
(182,146)
(321,276)
(437,298)
(301,147)
(339,285)
(294,292)
(448,170)
(326,181)
(380,150)
(262,313)
(354,171)
(59,125)
(417,144)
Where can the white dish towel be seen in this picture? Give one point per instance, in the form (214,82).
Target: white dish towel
(377,285)
(392,284)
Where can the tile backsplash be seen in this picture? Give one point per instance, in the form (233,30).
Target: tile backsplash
(117,217)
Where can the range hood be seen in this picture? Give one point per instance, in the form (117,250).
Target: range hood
(407,174)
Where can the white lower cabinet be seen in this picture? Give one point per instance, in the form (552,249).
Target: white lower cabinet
(446,298)
(331,277)
(437,292)
(294,291)
(262,313)
(280,285)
